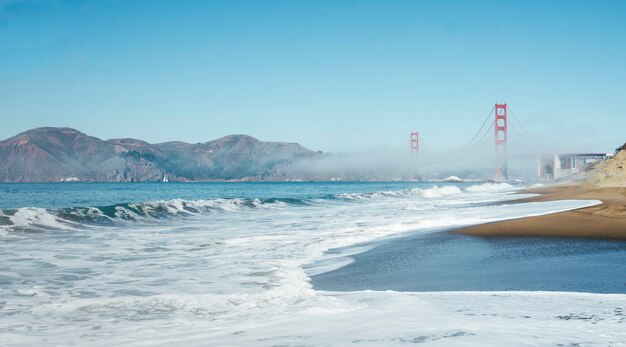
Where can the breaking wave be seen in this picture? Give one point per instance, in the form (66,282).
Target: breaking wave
(489,187)
(34,218)
(434,192)
(29,218)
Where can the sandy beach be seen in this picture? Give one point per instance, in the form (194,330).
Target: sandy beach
(607,220)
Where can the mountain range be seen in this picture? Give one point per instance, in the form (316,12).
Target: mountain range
(63,154)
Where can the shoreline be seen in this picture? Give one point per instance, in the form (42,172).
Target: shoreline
(604,221)
(447,261)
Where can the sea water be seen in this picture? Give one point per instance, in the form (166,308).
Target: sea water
(449,261)
(229,264)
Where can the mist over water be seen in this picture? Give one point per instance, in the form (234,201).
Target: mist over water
(476,163)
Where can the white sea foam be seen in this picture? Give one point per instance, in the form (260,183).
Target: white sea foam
(239,279)
(436,192)
(435,319)
(28,216)
(39,218)
(489,187)
(32,291)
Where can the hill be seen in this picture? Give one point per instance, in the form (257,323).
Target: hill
(54,154)
(610,172)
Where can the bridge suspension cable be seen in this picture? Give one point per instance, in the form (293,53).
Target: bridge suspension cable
(521,136)
(493,123)
(423,144)
(481,128)
(529,139)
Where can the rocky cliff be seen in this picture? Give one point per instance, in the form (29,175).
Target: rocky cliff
(55,154)
(610,172)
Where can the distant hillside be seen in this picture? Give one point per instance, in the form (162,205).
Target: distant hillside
(54,154)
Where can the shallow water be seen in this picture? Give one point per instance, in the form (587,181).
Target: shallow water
(223,264)
(446,261)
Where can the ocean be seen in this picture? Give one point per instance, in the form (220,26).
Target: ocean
(231,264)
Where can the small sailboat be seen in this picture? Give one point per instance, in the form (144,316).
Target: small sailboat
(165,180)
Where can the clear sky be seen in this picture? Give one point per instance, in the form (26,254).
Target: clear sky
(336,76)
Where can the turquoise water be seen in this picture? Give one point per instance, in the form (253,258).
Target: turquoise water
(63,195)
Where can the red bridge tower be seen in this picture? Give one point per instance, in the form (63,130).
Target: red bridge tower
(501,173)
(415,145)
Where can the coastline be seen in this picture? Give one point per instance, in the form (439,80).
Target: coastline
(541,253)
(606,221)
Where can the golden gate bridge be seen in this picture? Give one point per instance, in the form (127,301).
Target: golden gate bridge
(549,166)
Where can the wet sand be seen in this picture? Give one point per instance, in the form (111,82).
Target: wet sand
(607,220)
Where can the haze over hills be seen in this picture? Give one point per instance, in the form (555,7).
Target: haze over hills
(64,154)
(53,154)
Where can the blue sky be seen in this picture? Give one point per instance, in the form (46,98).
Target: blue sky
(336,76)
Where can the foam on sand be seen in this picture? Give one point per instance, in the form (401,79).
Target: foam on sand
(441,319)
